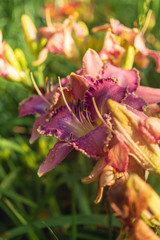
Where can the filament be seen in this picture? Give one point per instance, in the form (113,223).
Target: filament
(83,124)
(99,115)
(38,90)
(64,99)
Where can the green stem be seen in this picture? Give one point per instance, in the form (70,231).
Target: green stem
(40,75)
(110,226)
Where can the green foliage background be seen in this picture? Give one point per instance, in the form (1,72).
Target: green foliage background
(57,206)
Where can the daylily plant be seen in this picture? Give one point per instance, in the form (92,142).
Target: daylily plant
(80,112)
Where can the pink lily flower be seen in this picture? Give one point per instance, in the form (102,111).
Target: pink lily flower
(60,40)
(126,37)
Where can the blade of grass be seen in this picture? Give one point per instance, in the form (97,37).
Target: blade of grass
(9,179)
(51,231)
(16,213)
(57,221)
(22,220)
(15,196)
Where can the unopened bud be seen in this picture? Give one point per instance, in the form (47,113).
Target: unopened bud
(20,57)
(13,74)
(11,57)
(30,32)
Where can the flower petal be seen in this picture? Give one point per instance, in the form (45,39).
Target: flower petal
(103,90)
(33,105)
(56,43)
(55,156)
(118,156)
(93,143)
(152,110)
(47,32)
(150,95)
(125,78)
(70,49)
(92,63)
(100,164)
(63,125)
(134,101)
(156,56)
(79,86)
(150,127)
(111,50)
(41,57)
(38,122)
(140,45)
(127,127)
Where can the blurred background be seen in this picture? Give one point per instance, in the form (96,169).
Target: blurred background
(58,205)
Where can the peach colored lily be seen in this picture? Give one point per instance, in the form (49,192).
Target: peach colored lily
(122,38)
(139,134)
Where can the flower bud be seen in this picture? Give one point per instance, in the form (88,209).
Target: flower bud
(13,74)
(30,32)
(10,56)
(20,57)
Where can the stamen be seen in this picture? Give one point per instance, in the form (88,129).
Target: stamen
(81,116)
(83,123)
(87,125)
(68,107)
(99,115)
(49,85)
(84,119)
(64,99)
(88,119)
(38,90)
(48,18)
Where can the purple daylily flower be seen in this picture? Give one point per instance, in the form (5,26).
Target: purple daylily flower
(81,119)
(74,129)
(82,129)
